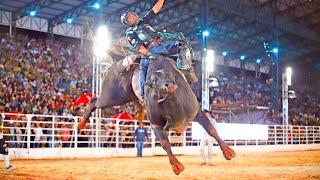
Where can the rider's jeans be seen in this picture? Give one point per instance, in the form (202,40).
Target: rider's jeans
(144,63)
(164,48)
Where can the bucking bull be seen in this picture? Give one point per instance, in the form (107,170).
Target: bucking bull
(170,102)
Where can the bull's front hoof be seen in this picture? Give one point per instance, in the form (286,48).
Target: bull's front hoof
(177,168)
(228,152)
(82,124)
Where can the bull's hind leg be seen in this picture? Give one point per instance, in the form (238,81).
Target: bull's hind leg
(202,119)
(162,135)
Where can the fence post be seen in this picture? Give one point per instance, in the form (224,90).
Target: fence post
(153,140)
(75,129)
(313,135)
(135,127)
(287,134)
(184,142)
(117,133)
(292,135)
(299,129)
(97,131)
(275,135)
(29,117)
(53,132)
(306,134)
(284,138)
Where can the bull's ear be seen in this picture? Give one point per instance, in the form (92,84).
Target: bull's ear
(149,84)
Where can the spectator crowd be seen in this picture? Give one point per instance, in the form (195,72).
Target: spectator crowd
(40,76)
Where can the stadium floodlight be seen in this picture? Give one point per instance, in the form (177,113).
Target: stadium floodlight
(210,60)
(242,57)
(258,61)
(275,50)
(288,75)
(101,41)
(206,33)
(224,53)
(33,13)
(96,5)
(69,20)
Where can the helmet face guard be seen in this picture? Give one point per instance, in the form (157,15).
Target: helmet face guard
(125,16)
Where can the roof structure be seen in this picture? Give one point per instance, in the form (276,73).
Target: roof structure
(239,27)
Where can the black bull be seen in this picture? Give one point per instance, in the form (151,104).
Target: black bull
(170,103)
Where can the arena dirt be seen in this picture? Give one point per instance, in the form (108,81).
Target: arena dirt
(273,165)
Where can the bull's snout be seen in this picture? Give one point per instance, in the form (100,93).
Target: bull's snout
(171,88)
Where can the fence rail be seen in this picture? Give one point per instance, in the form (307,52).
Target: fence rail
(36,131)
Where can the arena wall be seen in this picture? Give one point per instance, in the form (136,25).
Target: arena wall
(58,153)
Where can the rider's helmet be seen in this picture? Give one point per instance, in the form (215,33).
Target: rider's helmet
(125,16)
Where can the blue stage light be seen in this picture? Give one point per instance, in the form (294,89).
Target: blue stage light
(96,5)
(224,53)
(242,57)
(275,50)
(69,20)
(206,33)
(33,13)
(258,61)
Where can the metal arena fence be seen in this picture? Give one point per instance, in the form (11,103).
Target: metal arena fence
(50,131)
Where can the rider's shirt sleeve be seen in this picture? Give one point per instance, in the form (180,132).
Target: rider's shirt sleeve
(146,18)
(133,39)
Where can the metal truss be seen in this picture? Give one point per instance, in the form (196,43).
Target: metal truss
(32,23)
(68,30)
(264,18)
(251,33)
(80,10)
(168,13)
(139,7)
(5,18)
(235,25)
(175,12)
(34,5)
(76,11)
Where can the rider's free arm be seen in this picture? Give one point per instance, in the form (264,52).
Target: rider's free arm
(132,37)
(157,7)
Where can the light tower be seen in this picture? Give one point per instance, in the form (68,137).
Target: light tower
(101,43)
(286,82)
